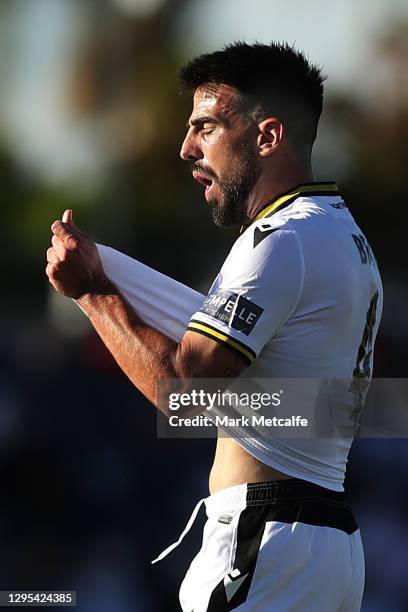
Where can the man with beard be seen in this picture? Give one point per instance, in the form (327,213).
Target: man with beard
(299,296)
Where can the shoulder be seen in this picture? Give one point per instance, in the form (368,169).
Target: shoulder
(267,237)
(268,249)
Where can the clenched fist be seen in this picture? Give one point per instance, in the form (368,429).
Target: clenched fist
(74,267)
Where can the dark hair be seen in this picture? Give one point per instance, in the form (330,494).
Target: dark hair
(271,80)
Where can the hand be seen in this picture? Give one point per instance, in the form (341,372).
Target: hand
(74,267)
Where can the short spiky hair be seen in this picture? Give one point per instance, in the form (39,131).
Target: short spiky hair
(272,80)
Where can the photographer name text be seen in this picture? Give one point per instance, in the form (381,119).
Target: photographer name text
(255,420)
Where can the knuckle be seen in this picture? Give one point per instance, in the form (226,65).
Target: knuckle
(50,271)
(55,272)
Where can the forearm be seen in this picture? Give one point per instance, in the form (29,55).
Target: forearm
(144,354)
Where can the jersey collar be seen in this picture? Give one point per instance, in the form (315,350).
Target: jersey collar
(318,188)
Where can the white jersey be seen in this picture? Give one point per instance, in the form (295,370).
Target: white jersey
(299,296)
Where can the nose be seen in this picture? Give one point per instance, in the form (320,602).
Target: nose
(190,150)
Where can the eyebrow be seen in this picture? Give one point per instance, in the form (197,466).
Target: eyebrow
(201,120)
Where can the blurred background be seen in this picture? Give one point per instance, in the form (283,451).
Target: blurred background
(91,118)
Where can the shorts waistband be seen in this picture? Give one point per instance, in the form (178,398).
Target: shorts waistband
(234,499)
(269,492)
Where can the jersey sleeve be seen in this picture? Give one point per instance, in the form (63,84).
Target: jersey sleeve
(256,291)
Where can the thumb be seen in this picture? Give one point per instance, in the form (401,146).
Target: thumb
(67,217)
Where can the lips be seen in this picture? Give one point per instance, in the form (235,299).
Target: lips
(204,180)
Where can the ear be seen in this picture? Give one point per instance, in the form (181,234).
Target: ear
(270,136)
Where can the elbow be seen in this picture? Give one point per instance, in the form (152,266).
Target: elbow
(178,397)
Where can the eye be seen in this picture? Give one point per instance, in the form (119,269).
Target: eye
(207,128)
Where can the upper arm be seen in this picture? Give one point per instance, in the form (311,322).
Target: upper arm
(199,356)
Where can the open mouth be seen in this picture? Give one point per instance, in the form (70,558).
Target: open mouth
(204,180)
(201,178)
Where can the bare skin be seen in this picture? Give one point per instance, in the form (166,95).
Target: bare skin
(215,133)
(234,466)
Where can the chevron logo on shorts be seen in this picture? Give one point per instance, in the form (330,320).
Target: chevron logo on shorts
(232,583)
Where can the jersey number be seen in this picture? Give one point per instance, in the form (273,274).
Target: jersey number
(362,369)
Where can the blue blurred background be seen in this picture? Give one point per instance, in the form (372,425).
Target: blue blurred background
(91,118)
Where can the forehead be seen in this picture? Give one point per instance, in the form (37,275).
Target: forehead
(218,101)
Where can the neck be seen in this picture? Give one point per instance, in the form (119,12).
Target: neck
(269,187)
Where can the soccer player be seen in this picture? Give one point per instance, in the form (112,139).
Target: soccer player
(298,296)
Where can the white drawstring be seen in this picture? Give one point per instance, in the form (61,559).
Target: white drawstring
(186,530)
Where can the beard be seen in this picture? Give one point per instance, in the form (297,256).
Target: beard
(230,208)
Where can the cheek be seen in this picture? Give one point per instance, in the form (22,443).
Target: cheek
(220,156)
(230,163)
